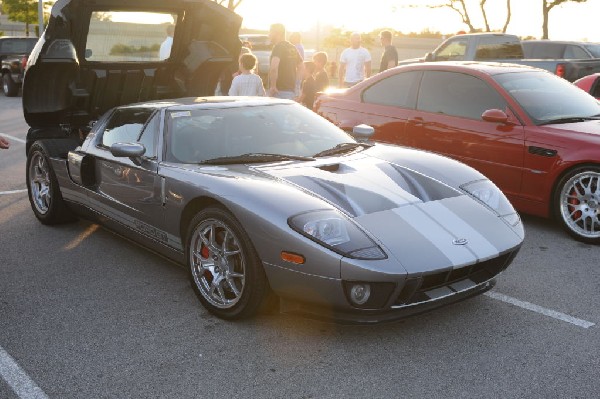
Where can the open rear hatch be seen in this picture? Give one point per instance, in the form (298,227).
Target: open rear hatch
(97,54)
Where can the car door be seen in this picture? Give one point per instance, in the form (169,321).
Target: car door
(386,105)
(129,190)
(448,120)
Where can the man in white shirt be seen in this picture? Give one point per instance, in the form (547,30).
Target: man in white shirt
(165,47)
(355,63)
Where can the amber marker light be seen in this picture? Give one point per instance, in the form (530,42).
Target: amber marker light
(292,257)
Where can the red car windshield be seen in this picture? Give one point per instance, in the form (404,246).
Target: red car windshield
(549,99)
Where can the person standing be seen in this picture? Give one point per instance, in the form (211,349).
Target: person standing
(309,88)
(286,65)
(389,58)
(247,83)
(165,47)
(355,63)
(296,40)
(321,77)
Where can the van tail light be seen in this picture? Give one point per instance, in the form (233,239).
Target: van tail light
(560,70)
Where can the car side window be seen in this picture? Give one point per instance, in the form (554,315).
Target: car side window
(454,50)
(575,53)
(120,36)
(457,94)
(149,135)
(398,90)
(125,126)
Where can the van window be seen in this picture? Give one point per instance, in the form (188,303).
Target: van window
(498,48)
(120,36)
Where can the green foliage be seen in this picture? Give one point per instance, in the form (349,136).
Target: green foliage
(25,11)
(123,49)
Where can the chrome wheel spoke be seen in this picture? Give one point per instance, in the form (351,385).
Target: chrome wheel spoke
(218,265)
(580,204)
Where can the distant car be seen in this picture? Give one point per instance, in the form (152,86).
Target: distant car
(556,49)
(590,84)
(535,135)
(13,58)
(262,195)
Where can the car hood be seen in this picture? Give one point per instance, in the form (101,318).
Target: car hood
(67,85)
(422,222)
(589,127)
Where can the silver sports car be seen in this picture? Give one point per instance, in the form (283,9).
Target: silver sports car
(262,198)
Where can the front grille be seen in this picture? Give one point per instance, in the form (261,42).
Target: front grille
(416,289)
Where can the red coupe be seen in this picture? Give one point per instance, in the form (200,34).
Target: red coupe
(534,134)
(590,84)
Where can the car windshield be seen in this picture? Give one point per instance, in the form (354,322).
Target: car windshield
(246,134)
(546,98)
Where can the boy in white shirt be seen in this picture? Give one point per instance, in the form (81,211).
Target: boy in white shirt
(247,83)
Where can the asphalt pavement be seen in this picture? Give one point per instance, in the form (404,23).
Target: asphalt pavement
(86,314)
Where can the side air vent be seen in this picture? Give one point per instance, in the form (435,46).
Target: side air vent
(544,152)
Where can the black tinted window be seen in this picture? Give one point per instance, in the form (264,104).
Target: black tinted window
(397,90)
(125,126)
(457,94)
(575,52)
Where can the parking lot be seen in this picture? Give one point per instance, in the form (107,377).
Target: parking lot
(87,314)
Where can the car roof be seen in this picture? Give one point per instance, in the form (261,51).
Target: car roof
(489,68)
(187,103)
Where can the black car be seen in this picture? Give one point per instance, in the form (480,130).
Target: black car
(13,56)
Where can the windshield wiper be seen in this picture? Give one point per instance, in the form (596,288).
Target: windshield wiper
(342,148)
(256,157)
(570,119)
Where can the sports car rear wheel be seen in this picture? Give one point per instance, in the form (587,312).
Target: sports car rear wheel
(42,187)
(226,272)
(578,203)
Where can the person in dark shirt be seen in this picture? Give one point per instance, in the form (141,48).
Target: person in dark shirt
(309,88)
(321,76)
(285,65)
(389,59)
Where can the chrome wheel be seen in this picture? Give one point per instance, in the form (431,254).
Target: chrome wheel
(40,183)
(218,264)
(580,204)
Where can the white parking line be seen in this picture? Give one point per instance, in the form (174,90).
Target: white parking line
(540,310)
(17,379)
(8,136)
(12,192)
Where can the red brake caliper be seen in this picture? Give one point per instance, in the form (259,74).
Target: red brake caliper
(574,201)
(204,253)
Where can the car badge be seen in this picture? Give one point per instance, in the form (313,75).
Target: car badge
(460,241)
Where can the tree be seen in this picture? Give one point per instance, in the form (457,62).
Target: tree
(231,4)
(460,7)
(548,5)
(25,11)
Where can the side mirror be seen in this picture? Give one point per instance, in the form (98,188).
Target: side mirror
(127,150)
(362,132)
(494,115)
(429,57)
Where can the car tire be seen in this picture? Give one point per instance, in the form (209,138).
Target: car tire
(9,87)
(42,186)
(577,203)
(225,270)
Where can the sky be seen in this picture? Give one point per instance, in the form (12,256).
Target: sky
(569,21)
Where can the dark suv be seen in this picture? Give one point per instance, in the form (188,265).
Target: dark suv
(98,54)
(13,57)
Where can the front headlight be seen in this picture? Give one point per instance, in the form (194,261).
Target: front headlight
(336,232)
(487,193)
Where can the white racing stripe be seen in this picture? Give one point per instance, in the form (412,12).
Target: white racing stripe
(13,138)
(17,379)
(12,192)
(540,310)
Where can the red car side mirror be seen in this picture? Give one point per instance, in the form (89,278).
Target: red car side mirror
(494,115)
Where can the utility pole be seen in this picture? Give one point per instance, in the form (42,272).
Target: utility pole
(40,17)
